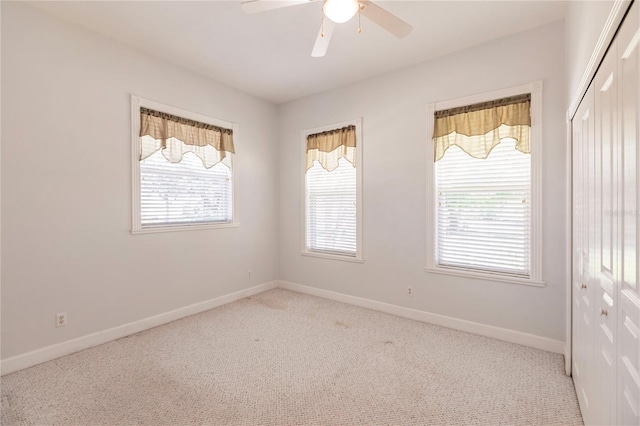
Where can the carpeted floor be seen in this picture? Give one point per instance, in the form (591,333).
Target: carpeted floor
(283,358)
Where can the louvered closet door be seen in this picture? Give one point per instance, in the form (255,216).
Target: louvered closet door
(605,242)
(583,307)
(628,57)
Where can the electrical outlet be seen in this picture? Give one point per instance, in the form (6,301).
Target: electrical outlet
(61,319)
(409,291)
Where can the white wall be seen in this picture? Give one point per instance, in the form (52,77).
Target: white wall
(584,23)
(393,111)
(66,187)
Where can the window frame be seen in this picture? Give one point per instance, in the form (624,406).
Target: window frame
(535,278)
(359,258)
(136,223)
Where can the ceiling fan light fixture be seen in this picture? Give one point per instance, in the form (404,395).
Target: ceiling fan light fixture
(340,11)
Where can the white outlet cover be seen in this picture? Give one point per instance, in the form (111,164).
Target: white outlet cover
(61,319)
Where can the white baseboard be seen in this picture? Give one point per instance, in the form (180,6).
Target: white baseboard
(513,336)
(58,350)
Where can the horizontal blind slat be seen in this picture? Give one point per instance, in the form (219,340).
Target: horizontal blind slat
(331,209)
(184,192)
(483,210)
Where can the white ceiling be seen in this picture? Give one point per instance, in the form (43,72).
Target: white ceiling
(269,54)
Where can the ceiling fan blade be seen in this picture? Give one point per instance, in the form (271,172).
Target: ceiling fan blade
(322,43)
(386,20)
(256,6)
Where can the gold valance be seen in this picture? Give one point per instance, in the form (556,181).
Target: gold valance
(176,136)
(329,147)
(478,128)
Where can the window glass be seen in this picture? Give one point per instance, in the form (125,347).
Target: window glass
(184,192)
(484,210)
(331,209)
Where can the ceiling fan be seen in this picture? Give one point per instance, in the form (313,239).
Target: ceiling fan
(336,12)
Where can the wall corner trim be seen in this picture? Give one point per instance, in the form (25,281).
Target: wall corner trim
(58,350)
(507,335)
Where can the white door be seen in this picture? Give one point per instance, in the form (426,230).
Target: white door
(606,268)
(583,289)
(628,56)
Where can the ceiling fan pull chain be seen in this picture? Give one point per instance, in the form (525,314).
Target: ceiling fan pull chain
(359,28)
(322,27)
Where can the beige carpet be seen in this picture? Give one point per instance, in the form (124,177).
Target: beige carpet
(283,358)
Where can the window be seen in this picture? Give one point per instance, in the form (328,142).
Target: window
(483,210)
(185,192)
(484,186)
(332,195)
(183,169)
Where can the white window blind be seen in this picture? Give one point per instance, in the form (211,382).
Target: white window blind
(484,211)
(184,193)
(331,213)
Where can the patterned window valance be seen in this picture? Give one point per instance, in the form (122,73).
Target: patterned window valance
(176,136)
(477,128)
(329,147)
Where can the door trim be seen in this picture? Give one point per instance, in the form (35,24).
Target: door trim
(618,10)
(616,14)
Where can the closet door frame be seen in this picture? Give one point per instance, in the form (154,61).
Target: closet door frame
(618,10)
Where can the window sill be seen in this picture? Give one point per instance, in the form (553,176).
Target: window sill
(333,257)
(485,276)
(179,228)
